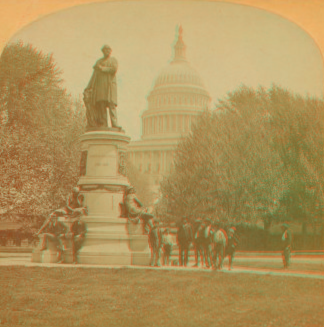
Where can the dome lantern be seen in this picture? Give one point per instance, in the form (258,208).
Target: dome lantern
(179,46)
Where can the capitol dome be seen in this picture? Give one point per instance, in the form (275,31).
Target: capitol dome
(178,89)
(177,98)
(178,72)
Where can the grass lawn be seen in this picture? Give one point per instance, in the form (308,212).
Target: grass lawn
(71,297)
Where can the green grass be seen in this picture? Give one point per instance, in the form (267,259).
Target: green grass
(129,297)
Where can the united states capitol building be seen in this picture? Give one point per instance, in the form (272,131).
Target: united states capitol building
(176,99)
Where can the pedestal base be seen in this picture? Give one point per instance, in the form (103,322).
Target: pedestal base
(110,239)
(47,256)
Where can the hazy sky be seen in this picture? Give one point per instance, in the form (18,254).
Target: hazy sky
(228,44)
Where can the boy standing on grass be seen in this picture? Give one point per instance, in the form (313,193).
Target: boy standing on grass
(167,246)
(286,245)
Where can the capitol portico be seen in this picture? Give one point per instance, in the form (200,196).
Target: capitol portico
(177,98)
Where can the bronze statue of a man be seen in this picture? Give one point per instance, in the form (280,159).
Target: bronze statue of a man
(135,210)
(101,92)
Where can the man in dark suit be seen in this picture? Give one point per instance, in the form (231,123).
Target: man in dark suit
(198,240)
(185,238)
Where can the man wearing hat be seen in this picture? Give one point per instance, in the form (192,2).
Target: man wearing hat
(101,92)
(286,245)
(185,238)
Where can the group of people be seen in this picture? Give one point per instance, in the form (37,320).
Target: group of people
(211,243)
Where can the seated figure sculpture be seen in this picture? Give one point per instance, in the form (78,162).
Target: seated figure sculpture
(135,210)
(54,232)
(59,232)
(74,206)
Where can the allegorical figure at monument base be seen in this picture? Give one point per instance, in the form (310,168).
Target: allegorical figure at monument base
(101,92)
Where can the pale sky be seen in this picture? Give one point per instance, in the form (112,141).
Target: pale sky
(228,44)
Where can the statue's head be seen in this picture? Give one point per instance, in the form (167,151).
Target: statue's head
(75,190)
(106,50)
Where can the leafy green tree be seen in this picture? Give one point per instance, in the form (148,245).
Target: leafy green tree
(244,159)
(38,136)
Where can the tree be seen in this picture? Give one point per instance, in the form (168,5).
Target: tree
(41,124)
(242,159)
(298,138)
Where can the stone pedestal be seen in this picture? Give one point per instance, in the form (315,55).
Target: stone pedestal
(110,239)
(50,255)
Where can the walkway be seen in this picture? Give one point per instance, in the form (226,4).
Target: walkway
(24,259)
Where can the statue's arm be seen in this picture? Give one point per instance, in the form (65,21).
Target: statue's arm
(44,225)
(130,207)
(68,203)
(112,69)
(139,202)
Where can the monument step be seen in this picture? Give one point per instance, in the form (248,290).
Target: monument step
(113,236)
(104,219)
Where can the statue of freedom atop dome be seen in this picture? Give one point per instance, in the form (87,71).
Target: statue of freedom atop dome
(101,92)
